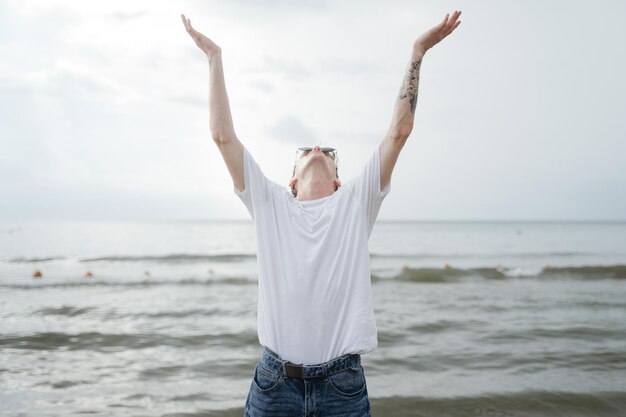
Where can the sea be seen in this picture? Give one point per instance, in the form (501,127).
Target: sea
(158,318)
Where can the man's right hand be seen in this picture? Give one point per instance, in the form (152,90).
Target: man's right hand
(207,45)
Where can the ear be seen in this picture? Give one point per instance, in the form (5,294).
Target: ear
(337,183)
(292,184)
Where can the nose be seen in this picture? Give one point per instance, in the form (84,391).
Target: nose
(316,147)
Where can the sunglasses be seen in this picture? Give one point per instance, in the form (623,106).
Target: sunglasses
(305,150)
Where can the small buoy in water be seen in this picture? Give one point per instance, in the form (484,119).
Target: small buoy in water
(147,273)
(547,266)
(446,266)
(88,274)
(405,267)
(37,274)
(210,270)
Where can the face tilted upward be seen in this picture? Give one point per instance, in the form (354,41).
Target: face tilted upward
(305,156)
(323,161)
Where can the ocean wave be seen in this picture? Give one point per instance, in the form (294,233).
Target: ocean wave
(176,258)
(586,272)
(24,260)
(508,255)
(406,274)
(452,275)
(67,311)
(111,342)
(529,403)
(36,284)
(74,311)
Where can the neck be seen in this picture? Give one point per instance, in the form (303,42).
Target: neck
(314,188)
(315,177)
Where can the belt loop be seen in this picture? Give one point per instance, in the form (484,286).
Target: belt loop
(275,358)
(282,364)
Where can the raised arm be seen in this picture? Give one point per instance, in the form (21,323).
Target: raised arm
(404,111)
(221,122)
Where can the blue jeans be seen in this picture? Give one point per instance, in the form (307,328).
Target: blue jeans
(333,388)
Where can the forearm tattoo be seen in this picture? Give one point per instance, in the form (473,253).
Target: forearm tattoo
(410,84)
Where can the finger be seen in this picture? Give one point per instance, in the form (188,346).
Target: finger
(454,18)
(453,23)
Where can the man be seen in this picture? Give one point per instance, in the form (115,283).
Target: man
(315,312)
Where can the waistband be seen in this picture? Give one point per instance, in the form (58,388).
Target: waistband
(272,361)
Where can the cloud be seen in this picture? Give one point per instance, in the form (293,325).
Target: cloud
(67,80)
(299,68)
(353,67)
(291,129)
(124,17)
(273,65)
(189,100)
(280,5)
(263,86)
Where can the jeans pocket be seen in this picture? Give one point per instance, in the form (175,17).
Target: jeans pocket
(264,379)
(349,382)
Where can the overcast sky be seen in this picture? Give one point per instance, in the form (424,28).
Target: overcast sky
(521,112)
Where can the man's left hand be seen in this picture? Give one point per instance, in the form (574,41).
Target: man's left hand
(436,34)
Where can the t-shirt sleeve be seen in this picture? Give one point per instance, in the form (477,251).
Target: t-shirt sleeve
(366,188)
(256,190)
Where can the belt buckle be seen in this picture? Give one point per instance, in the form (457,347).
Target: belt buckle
(294,370)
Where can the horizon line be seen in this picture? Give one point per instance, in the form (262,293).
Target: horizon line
(244,220)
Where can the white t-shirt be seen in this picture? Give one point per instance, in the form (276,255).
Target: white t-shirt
(315,296)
